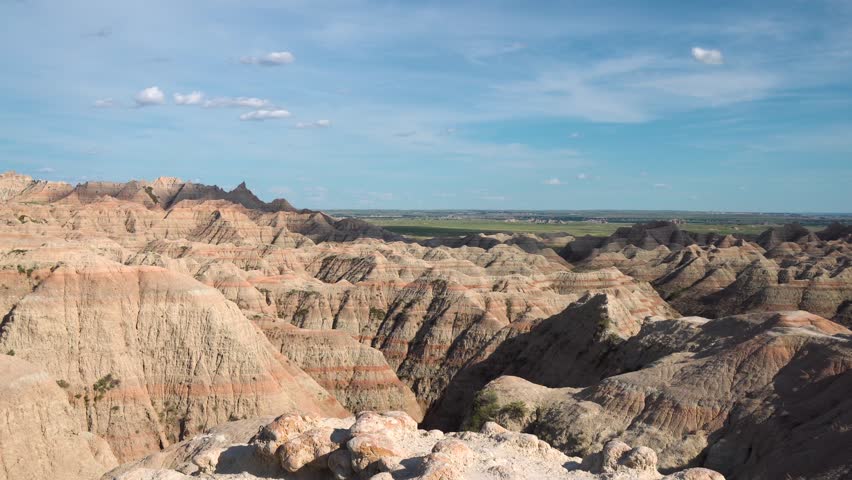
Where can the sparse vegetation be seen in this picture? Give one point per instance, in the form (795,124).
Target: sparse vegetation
(514,410)
(377,313)
(104,385)
(11,353)
(150,191)
(62,384)
(487,409)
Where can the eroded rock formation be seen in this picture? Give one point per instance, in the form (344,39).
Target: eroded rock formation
(757,396)
(39,433)
(785,268)
(388,446)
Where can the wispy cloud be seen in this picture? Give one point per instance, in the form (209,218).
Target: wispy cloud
(270,59)
(240,102)
(316,124)
(261,115)
(708,56)
(104,103)
(582,176)
(552,181)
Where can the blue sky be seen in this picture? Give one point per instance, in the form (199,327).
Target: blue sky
(697,105)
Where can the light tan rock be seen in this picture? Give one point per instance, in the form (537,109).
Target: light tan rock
(423,455)
(39,433)
(287,426)
(309,448)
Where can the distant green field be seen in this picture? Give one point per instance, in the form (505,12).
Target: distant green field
(430,227)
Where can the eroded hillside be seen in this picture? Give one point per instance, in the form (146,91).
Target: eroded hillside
(163,309)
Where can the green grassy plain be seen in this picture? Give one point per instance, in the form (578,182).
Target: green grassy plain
(431,227)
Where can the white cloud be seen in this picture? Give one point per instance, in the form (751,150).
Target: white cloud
(104,103)
(662,185)
(46,170)
(582,176)
(244,102)
(493,198)
(317,124)
(260,115)
(708,56)
(281,190)
(150,96)
(575,135)
(270,59)
(194,98)
(715,88)
(552,181)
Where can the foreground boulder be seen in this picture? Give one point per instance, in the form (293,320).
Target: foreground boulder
(388,446)
(39,435)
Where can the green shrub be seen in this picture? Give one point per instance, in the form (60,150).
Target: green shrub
(62,384)
(11,353)
(105,384)
(514,411)
(486,409)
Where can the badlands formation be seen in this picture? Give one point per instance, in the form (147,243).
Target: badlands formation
(166,329)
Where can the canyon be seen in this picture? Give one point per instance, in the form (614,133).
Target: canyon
(166,329)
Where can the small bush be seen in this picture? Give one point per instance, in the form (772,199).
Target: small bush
(485,409)
(105,384)
(514,411)
(11,353)
(62,384)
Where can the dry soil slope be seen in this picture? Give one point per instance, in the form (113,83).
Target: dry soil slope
(39,433)
(149,355)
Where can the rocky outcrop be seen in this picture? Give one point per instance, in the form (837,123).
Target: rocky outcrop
(786,268)
(759,396)
(389,446)
(568,349)
(357,375)
(39,433)
(139,208)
